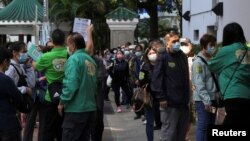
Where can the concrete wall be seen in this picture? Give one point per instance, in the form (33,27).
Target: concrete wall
(121,31)
(204,20)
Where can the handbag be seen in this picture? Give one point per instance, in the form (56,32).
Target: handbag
(147,99)
(109,81)
(141,98)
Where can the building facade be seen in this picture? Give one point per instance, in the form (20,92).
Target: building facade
(200,17)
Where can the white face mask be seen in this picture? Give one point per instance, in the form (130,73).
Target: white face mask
(126,52)
(70,53)
(152,57)
(185,49)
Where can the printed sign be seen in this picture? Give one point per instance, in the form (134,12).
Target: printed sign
(80,26)
(33,51)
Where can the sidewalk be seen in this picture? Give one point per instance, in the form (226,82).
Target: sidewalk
(123,127)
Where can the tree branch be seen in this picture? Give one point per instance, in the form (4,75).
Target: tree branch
(178,6)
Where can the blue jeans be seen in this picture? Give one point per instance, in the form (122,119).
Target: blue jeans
(149,113)
(204,119)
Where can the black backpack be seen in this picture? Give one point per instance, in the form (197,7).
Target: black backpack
(27,101)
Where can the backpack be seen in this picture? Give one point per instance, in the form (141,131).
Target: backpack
(27,101)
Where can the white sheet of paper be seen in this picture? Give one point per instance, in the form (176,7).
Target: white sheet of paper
(80,26)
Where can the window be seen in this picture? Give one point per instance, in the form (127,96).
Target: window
(212,30)
(196,35)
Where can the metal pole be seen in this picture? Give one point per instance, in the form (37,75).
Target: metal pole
(46,10)
(36,29)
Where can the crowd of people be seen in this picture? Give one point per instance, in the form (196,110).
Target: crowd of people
(69,84)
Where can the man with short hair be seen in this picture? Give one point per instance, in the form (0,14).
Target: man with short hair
(52,63)
(171,83)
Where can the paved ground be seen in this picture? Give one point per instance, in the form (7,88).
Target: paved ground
(122,126)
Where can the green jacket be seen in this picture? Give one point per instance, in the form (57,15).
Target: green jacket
(225,63)
(79,83)
(52,63)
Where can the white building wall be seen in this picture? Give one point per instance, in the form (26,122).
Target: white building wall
(201,17)
(235,11)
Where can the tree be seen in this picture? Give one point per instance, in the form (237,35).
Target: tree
(67,10)
(152,7)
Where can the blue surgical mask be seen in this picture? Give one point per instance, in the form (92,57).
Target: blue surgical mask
(138,53)
(210,50)
(176,47)
(23,57)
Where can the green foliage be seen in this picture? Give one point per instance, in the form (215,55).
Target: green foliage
(196,48)
(144,29)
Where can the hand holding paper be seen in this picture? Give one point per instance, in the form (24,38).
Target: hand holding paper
(81,26)
(90,29)
(33,51)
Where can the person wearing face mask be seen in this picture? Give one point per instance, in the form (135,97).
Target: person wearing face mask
(10,126)
(145,77)
(39,91)
(77,102)
(22,73)
(134,70)
(119,72)
(186,47)
(172,88)
(114,51)
(20,64)
(127,54)
(204,87)
(52,64)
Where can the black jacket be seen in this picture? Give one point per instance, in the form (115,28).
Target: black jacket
(10,99)
(119,71)
(170,79)
(146,74)
(101,70)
